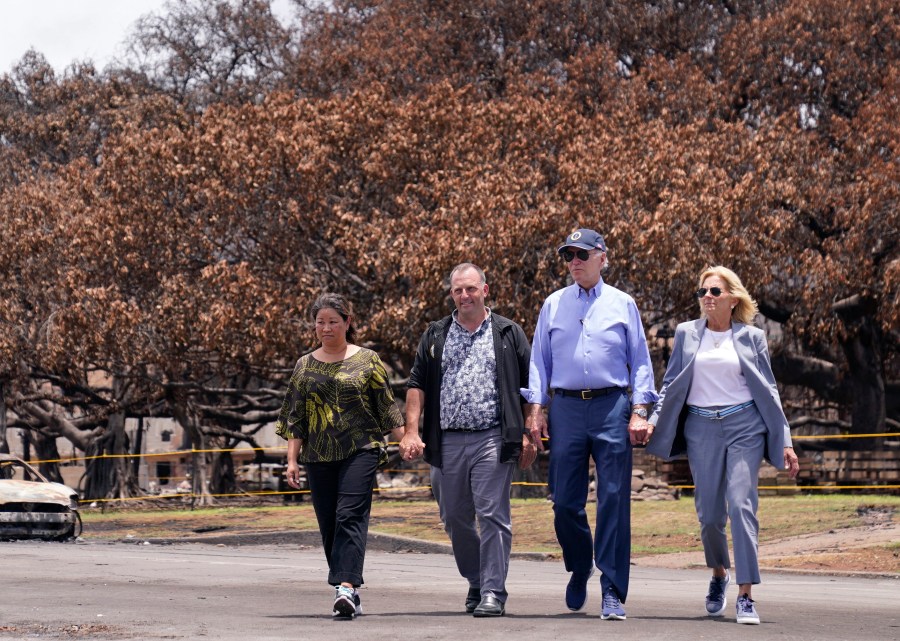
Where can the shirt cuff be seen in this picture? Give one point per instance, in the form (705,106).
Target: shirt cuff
(644,398)
(535,398)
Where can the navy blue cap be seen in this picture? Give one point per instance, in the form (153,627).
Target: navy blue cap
(584,239)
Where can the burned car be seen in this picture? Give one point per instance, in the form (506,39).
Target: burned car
(269,477)
(33,507)
(260,476)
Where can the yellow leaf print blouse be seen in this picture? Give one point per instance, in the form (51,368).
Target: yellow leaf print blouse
(338,408)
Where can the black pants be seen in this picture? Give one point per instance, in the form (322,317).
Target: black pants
(342,497)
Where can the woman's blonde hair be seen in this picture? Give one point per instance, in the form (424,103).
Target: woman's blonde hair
(745,309)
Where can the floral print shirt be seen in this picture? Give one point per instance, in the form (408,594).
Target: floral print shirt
(469,396)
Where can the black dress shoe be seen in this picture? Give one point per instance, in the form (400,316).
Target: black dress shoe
(473,598)
(490,606)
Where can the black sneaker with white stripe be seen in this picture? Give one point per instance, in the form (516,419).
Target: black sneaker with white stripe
(347,604)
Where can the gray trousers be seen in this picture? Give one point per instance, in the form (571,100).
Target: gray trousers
(472,482)
(725,456)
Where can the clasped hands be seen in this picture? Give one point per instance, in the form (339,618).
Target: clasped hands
(411,446)
(639,430)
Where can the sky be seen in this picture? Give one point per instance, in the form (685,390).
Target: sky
(68,30)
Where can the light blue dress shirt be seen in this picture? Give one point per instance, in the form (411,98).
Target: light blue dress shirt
(590,340)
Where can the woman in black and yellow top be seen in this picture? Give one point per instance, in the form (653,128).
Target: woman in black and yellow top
(337,410)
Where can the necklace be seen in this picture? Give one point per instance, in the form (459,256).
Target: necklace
(718,337)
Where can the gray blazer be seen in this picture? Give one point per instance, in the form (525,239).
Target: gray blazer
(753,353)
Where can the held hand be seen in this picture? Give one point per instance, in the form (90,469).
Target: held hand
(411,446)
(791,462)
(639,430)
(536,426)
(529,451)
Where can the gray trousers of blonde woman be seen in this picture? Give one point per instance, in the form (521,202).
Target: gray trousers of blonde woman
(725,456)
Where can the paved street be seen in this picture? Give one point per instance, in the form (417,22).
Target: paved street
(227,593)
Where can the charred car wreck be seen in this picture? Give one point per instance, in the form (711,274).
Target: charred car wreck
(33,507)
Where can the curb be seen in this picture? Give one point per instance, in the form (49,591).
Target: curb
(311,538)
(862,574)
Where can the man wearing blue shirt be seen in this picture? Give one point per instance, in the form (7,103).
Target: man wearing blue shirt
(589,350)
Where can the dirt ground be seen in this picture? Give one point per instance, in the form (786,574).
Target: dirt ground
(867,549)
(873,547)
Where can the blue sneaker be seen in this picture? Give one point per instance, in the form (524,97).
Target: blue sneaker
(746,610)
(612,607)
(715,598)
(576,591)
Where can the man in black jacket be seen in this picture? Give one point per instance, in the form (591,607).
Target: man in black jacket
(468,372)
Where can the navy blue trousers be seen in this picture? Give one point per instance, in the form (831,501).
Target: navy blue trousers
(595,428)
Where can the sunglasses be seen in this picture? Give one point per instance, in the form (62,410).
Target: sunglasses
(569,255)
(715,291)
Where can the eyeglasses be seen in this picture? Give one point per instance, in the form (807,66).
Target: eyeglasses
(569,255)
(715,291)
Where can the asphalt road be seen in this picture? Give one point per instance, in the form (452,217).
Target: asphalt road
(92,590)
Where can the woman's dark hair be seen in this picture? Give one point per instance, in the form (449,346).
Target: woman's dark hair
(339,304)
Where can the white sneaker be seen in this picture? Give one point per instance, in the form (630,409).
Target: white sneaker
(746,611)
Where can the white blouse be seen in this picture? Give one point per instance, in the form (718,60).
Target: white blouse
(718,379)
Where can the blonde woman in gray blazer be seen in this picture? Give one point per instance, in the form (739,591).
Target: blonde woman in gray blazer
(719,404)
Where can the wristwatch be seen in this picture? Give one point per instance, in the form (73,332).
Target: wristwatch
(640,411)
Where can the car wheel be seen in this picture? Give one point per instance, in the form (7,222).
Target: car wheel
(70,534)
(67,535)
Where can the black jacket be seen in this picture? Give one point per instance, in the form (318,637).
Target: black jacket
(512,352)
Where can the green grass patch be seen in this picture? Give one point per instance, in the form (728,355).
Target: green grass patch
(658,527)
